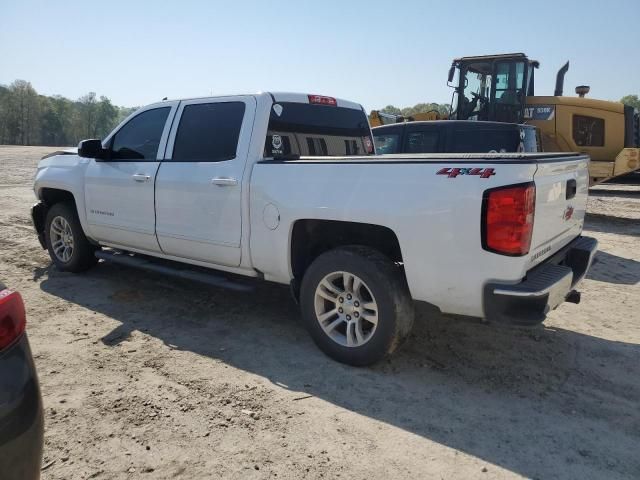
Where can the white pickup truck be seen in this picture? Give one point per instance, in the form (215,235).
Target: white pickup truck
(287,188)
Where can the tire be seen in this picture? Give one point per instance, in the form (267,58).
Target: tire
(356,333)
(62,230)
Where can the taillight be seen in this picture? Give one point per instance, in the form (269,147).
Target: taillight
(322,100)
(12,317)
(507,219)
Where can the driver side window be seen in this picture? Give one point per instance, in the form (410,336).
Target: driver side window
(139,138)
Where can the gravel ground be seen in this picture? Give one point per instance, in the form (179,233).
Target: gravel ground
(147,377)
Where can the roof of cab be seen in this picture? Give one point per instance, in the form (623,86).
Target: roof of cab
(304,98)
(275,96)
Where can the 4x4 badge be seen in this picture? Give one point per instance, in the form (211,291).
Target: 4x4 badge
(454,172)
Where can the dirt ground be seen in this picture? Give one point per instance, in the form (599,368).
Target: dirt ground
(148,377)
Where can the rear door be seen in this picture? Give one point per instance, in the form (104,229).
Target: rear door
(561,202)
(119,193)
(199,184)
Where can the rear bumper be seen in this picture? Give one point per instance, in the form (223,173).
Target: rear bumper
(21,416)
(545,287)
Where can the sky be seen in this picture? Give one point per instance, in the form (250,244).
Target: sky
(373,52)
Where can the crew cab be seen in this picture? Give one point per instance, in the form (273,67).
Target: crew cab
(287,188)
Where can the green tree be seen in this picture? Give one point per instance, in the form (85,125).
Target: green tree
(391,110)
(632,101)
(27,118)
(87,115)
(106,116)
(4,114)
(441,108)
(22,112)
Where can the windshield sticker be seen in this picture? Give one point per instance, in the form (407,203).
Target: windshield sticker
(278,109)
(454,172)
(276,144)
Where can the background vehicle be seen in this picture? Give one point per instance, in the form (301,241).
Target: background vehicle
(221,183)
(448,136)
(378,118)
(21,417)
(501,88)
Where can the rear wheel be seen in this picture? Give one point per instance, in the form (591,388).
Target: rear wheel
(67,244)
(356,305)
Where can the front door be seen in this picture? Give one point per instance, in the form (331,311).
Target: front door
(508,95)
(119,191)
(199,184)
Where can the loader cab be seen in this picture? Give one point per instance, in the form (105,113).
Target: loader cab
(491,87)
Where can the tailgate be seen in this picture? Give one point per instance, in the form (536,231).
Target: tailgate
(562,185)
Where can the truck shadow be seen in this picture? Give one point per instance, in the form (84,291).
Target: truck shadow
(525,400)
(614,269)
(600,222)
(603,192)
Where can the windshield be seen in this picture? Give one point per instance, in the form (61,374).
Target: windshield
(301,129)
(490,90)
(477,91)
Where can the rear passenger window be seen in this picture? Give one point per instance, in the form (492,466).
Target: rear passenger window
(208,132)
(422,142)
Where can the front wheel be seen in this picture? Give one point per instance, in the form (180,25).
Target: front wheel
(356,305)
(66,242)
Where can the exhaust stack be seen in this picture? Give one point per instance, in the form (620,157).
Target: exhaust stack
(560,80)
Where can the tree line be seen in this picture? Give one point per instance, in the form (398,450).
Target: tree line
(28,118)
(441,108)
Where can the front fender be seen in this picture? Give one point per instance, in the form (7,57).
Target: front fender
(66,173)
(38,217)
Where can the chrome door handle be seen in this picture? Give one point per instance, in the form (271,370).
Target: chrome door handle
(140,177)
(224,181)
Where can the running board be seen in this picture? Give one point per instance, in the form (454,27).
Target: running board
(175,269)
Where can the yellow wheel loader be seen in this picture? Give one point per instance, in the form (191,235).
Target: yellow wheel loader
(501,88)
(377,118)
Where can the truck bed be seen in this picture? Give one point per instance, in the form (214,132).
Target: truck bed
(434,205)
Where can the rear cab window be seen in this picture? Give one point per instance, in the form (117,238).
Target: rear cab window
(425,140)
(485,141)
(494,140)
(388,140)
(310,130)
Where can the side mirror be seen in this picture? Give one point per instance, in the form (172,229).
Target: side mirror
(452,72)
(92,148)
